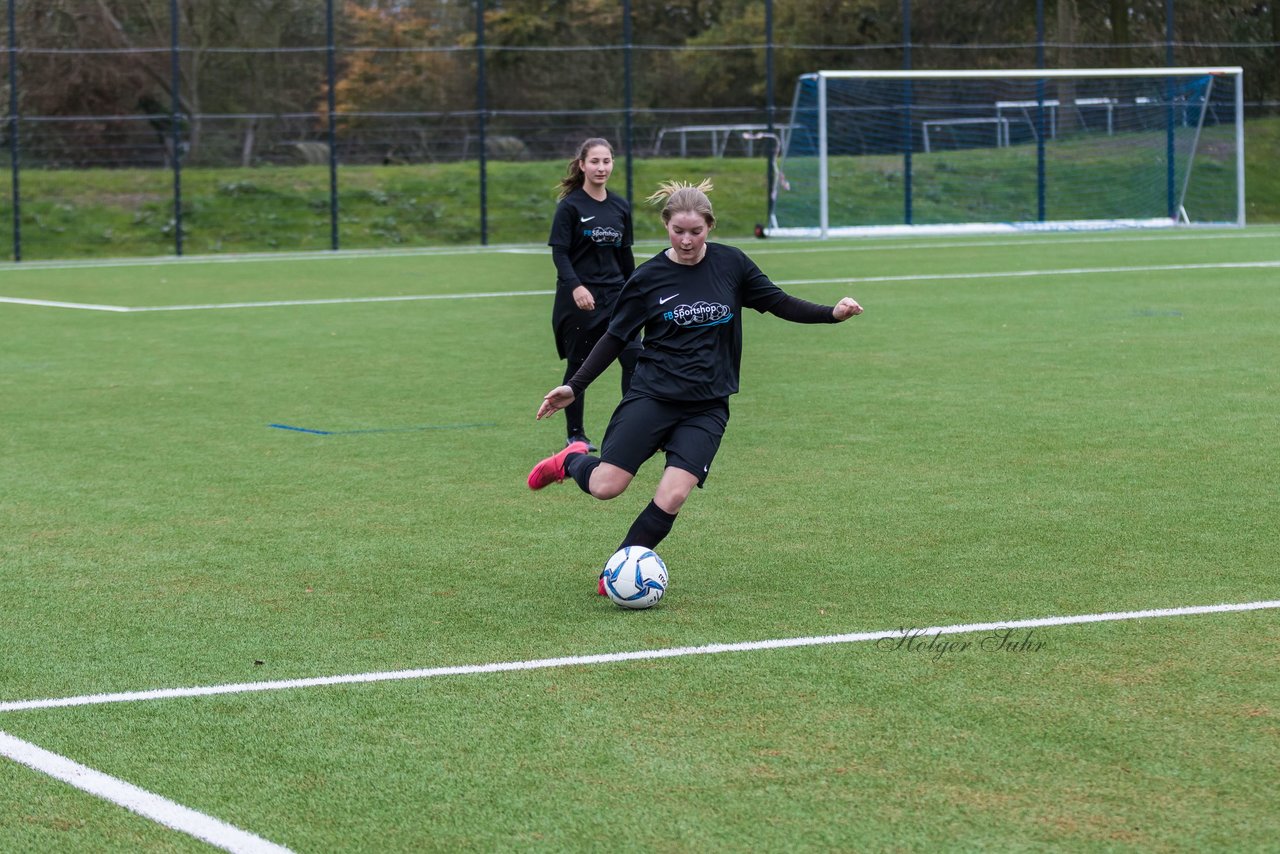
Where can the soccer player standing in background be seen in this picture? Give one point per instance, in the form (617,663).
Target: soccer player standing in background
(688,299)
(591,248)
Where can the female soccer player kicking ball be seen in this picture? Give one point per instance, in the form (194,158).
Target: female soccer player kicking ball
(689,300)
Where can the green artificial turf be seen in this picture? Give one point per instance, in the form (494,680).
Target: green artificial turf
(990,441)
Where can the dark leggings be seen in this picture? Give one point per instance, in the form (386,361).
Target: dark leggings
(576,354)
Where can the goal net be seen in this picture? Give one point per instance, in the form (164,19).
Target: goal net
(957,151)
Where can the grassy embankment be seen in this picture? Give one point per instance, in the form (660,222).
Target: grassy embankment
(69,214)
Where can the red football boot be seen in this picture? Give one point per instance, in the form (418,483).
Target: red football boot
(551,470)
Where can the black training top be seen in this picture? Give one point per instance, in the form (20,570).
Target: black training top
(587,239)
(692,319)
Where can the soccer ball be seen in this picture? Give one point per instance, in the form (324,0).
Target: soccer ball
(635,577)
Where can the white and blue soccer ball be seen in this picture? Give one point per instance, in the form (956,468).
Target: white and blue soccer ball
(635,577)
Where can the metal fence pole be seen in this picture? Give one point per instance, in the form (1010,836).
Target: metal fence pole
(1169,114)
(1040,124)
(331,74)
(14,147)
(906,129)
(769,106)
(481,109)
(626,95)
(175,130)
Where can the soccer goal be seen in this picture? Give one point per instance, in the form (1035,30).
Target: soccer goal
(873,152)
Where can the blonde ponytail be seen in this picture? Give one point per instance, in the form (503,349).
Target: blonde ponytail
(683,197)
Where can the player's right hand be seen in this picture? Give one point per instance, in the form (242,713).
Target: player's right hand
(558,398)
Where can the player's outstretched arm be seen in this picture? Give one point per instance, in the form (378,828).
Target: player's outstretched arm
(798,310)
(558,398)
(600,357)
(846,309)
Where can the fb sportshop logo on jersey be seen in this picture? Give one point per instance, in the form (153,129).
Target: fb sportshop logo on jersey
(699,314)
(604,235)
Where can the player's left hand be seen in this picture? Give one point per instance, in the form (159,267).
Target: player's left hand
(583,298)
(846,309)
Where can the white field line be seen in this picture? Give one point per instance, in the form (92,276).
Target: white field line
(780,247)
(913,244)
(783,246)
(341,300)
(1018,274)
(125,309)
(257,257)
(87,306)
(614,657)
(922,277)
(146,804)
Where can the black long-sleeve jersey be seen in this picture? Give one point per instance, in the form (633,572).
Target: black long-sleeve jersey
(692,321)
(591,241)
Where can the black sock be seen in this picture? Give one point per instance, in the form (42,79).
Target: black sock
(573,417)
(579,467)
(650,527)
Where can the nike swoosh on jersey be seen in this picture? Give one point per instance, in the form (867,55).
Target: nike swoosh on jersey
(662,301)
(586,218)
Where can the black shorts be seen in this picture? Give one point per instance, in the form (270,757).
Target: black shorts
(689,433)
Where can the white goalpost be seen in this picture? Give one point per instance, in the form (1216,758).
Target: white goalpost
(890,152)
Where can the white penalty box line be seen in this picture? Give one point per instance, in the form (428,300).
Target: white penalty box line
(147,804)
(617,657)
(920,277)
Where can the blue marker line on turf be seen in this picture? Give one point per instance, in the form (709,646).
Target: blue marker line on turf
(382,429)
(300,429)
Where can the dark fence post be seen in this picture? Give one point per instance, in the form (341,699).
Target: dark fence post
(481,109)
(772,139)
(906,130)
(628,136)
(175,128)
(14,147)
(333,133)
(1170,118)
(1040,124)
